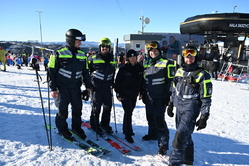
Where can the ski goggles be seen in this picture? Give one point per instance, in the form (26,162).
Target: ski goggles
(105,42)
(151,46)
(81,38)
(191,52)
(106,46)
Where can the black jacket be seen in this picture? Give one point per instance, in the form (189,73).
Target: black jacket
(159,73)
(129,81)
(68,68)
(102,70)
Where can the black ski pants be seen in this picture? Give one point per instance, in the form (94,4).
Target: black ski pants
(128,106)
(65,97)
(157,126)
(101,97)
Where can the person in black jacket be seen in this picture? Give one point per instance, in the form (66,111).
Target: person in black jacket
(214,63)
(128,85)
(159,73)
(67,68)
(102,72)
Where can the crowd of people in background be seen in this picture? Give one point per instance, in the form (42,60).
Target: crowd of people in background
(8,58)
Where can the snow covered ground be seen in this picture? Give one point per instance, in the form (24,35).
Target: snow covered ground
(23,140)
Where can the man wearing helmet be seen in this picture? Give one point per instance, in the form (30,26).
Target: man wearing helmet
(191,96)
(2,58)
(159,73)
(102,71)
(67,68)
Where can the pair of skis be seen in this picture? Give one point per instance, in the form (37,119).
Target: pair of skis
(92,144)
(89,146)
(116,145)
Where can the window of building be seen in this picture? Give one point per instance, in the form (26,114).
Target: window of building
(137,45)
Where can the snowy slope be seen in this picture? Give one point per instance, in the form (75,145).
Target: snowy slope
(23,140)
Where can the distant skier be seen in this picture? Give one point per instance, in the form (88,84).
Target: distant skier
(2,58)
(45,62)
(34,61)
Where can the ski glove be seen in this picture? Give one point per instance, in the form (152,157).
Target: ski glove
(85,95)
(170,109)
(202,122)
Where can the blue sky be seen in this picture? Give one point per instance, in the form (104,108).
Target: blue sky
(102,18)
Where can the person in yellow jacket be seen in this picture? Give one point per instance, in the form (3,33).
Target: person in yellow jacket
(2,58)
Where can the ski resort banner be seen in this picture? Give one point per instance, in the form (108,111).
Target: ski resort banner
(182,38)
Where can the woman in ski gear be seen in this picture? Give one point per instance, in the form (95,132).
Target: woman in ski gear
(102,71)
(159,73)
(128,85)
(191,96)
(67,68)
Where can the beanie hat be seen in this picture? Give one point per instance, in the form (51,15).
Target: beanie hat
(131,53)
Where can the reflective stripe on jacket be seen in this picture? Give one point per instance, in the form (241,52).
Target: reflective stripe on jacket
(195,96)
(102,72)
(67,69)
(158,78)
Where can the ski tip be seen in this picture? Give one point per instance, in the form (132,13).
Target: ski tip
(137,148)
(97,153)
(125,152)
(106,152)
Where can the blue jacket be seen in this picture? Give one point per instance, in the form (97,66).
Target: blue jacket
(68,67)
(102,70)
(159,73)
(190,94)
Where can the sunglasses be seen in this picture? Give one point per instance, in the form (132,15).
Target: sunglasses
(191,52)
(81,38)
(151,46)
(106,46)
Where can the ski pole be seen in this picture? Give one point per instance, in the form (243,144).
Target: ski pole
(96,127)
(44,118)
(49,112)
(94,112)
(113,105)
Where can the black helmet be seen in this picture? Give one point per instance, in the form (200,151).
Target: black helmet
(131,53)
(74,34)
(152,45)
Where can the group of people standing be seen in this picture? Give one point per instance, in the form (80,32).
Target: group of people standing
(158,83)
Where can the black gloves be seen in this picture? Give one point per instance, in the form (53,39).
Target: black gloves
(85,95)
(170,109)
(166,101)
(202,122)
